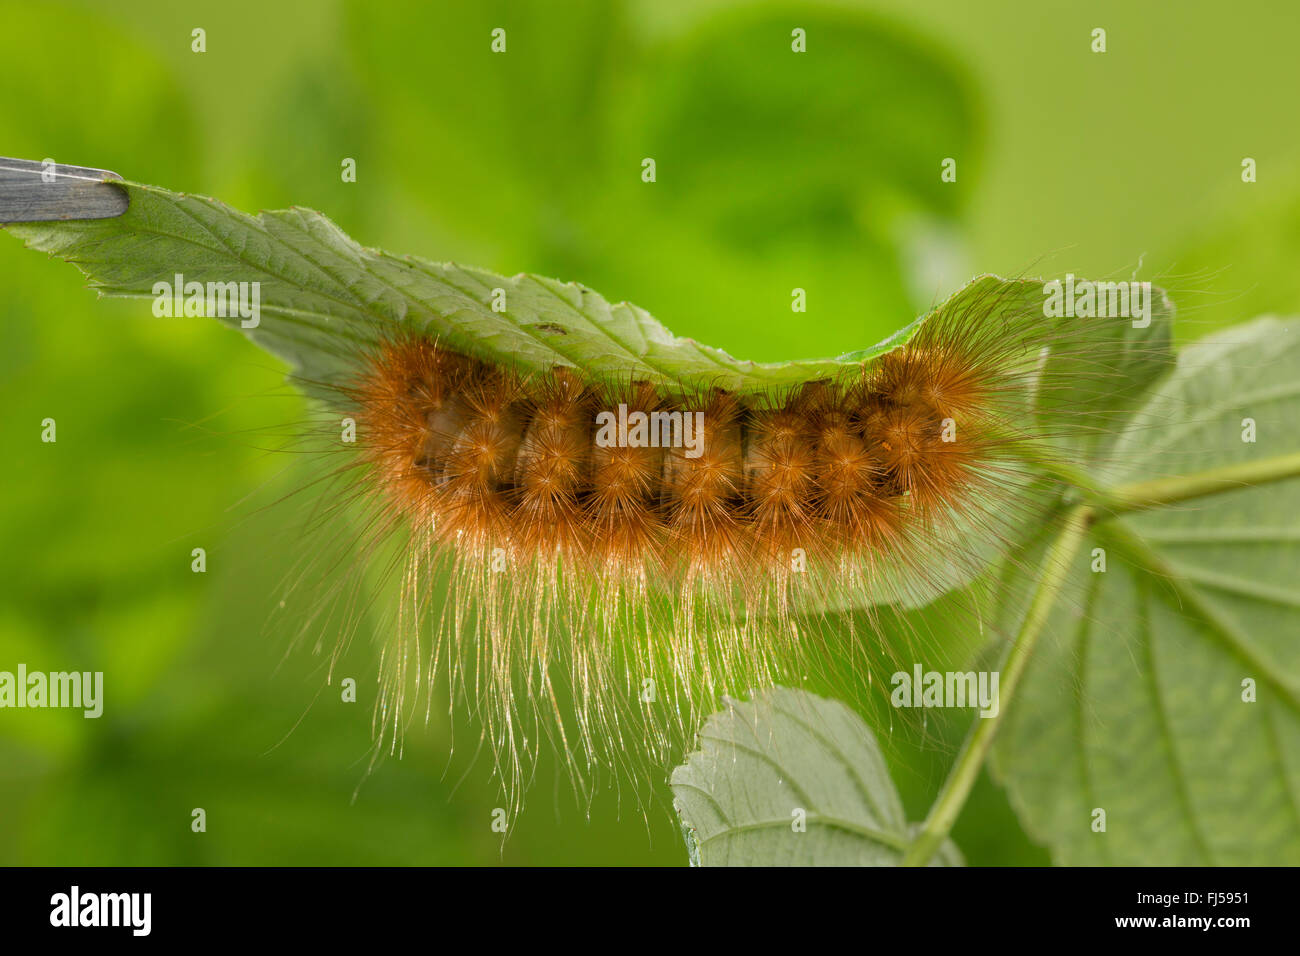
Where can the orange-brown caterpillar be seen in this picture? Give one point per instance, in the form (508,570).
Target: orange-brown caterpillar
(604,593)
(563,561)
(489,458)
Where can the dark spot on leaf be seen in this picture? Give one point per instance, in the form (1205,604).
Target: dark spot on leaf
(551,328)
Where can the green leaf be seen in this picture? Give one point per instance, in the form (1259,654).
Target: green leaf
(324,298)
(1133,703)
(785,757)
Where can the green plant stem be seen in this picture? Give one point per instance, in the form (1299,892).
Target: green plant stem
(943,814)
(1143,495)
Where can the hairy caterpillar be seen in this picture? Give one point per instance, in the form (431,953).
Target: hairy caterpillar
(599,591)
(549,545)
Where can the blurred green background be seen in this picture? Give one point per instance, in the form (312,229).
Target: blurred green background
(774,171)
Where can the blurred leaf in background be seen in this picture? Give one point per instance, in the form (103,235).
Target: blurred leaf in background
(759,186)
